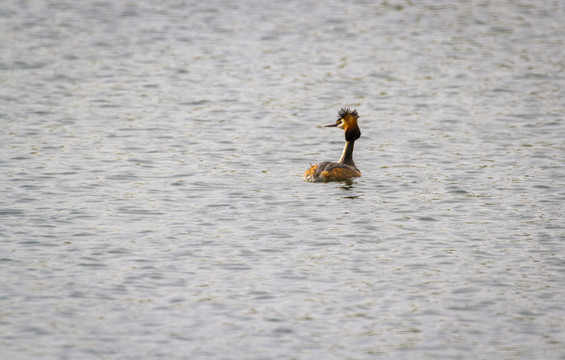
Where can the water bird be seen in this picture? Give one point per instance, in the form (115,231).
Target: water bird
(345,168)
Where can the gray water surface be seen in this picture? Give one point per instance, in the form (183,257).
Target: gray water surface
(152,204)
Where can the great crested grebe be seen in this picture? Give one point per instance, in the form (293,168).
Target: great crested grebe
(345,168)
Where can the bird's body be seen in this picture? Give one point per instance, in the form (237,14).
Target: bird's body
(345,168)
(330,171)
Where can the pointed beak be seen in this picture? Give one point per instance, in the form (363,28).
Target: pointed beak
(331,125)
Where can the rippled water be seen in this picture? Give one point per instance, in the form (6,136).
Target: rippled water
(152,204)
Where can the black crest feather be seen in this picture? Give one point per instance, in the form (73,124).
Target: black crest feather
(343,112)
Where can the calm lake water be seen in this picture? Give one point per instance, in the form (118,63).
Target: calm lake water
(152,203)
